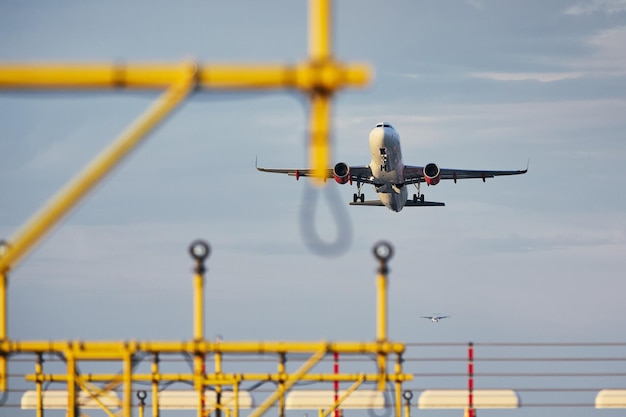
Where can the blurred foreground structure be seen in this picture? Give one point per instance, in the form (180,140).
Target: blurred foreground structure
(219,391)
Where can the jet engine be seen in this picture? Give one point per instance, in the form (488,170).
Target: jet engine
(341,172)
(432,174)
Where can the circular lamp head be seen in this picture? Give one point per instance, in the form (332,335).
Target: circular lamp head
(199,250)
(383,251)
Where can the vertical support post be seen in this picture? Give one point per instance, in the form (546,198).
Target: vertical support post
(319,131)
(336,383)
(398,386)
(470,380)
(3,324)
(127,399)
(199,251)
(236,394)
(155,385)
(141,395)
(72,404)
(282,375)
(383,251)
(39,382)
(319,30)
(319,53)
(199,372)
(381,303)
(218,387)
(407,395)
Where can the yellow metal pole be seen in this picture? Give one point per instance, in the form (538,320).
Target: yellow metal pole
(381,293)
(304,76)
(319,147)
(398,386)
(236,402)
(313,360)
(3,325)
(141,395)
(155,385)
(199,251)
(198,306)
(282,376)
(320,54)
(383,252)
(319,30)
(76,189)
(217,358)
(39,373)
(398,399)
(198,334)
(226,379)
(407,395)
(72,405)
(381,329)
(115,350)
(128,386)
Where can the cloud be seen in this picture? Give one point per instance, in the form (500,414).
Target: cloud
(597,6)
(606,58)
(478,4)
(544,77)
(609,55)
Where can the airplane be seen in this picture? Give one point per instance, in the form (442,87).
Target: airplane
(435,319)
(389,175)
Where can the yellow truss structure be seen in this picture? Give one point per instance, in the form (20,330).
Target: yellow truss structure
(318,77)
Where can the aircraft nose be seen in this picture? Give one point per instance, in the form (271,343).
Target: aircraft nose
(377,137)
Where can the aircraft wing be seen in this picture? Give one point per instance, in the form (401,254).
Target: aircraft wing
(360,173)
(415,174)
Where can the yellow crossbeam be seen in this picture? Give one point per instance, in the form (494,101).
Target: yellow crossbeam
(222,379)
(111,350)
(306,76)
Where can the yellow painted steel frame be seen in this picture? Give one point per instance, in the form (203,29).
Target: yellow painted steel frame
(125,351)
(341,399)
(319,77)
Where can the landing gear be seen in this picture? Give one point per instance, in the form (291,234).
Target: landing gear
(419,196)
(358,196)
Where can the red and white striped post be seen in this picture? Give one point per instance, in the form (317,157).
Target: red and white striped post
(470,380)
(336,369)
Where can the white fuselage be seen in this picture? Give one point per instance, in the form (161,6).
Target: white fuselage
(387,166)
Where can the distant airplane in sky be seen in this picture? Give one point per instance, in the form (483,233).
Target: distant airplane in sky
(435,319)
(388,174)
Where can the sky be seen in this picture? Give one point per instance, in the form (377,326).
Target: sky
(471,84)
